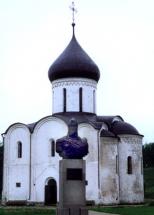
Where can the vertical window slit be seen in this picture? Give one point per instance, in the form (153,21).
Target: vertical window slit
(80,99)
(64,100)
(116,164)
(19,150)
(129,165)
(52,148)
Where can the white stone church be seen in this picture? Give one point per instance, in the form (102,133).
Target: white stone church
(114,171)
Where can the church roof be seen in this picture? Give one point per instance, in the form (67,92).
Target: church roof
(120,127)
(115,125)
(74,62)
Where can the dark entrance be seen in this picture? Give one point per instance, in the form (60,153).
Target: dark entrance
(51,192)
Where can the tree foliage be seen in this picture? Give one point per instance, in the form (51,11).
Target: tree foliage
(1,166)
(148,155)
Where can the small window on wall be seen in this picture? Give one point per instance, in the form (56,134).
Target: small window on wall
(129,165)
(19,146)
(18,184)
(52,148)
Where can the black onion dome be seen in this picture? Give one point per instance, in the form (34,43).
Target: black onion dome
(121,127)
(74,63)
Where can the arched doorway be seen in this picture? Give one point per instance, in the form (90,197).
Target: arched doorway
(51,192)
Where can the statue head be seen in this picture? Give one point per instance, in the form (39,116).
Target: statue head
(73,128)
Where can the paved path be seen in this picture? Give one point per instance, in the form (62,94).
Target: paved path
(99,213)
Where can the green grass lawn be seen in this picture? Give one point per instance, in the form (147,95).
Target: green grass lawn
(125,210)
(26,211)
(128,210)
(149,183)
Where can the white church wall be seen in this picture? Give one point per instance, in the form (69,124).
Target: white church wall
(109,179)
(131,185)
(72,102)
(72,86)
(39,182)
(16,170)
(18,176)
(91,134)
(43,164)
(108,183)
(57,104)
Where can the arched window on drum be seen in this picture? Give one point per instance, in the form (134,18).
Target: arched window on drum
(19,149)
(80,99)
(64,100)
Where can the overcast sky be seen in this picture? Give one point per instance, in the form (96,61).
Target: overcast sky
(117,34)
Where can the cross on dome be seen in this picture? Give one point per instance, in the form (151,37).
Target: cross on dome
(74,62)
(74,10)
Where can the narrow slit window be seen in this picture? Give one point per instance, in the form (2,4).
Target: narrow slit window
(129,165)
(80,99)
(19,150)
(116,164)
(52,144)
(64,100)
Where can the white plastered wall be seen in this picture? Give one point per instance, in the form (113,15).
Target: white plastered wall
(109,179)
(91,134)
(72,86)
(45,166)
(16,170)
(131,185)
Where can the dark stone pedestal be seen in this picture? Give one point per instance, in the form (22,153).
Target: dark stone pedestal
(72,188)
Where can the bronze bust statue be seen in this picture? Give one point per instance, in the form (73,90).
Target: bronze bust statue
(72,146)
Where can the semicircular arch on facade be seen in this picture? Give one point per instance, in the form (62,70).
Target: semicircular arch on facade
(47,119)
(14,126)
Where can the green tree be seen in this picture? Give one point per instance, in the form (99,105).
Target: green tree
(148,155)
(1,167)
